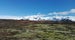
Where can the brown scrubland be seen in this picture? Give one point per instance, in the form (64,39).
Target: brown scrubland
(36,30)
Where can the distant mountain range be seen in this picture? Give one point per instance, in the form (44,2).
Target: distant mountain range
(39,17)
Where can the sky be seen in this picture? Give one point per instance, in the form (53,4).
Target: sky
(31,8)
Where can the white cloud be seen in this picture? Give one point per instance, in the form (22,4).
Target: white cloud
(72,18)
(31,17)
(63,13)
(49,17)
(34,17)
(72,11)
(59,13)
(69,17)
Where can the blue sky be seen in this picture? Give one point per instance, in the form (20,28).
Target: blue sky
(30,8)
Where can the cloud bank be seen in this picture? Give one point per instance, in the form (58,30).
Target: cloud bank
(58,15)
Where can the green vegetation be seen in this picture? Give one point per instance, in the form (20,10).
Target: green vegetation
(38,32)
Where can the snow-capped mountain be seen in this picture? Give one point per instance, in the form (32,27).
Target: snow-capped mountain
(38,17)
